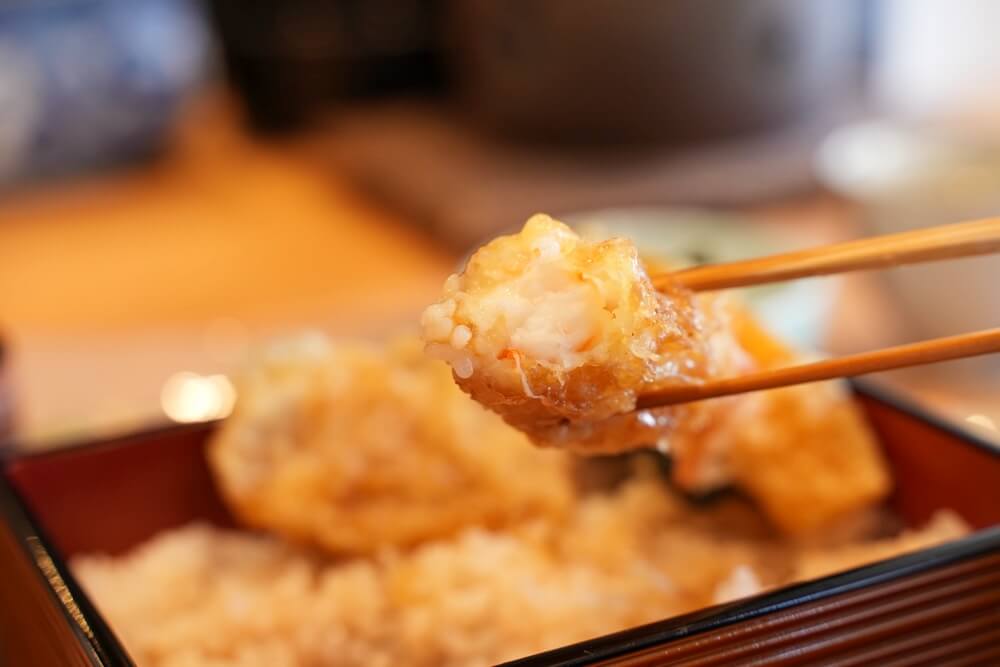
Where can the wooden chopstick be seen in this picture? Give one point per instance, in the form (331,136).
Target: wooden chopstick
(964,239)
(914,354)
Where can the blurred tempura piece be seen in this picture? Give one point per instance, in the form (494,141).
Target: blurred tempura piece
(804,453)
(356,446)
(560,336)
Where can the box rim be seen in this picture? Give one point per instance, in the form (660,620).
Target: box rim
(101,645)
(883,394)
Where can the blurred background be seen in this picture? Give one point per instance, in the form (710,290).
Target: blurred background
(180,180)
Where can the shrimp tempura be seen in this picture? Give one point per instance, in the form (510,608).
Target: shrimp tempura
(558,334)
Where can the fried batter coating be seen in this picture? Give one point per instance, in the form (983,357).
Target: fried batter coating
(561,335)
(557,334)
(355,446)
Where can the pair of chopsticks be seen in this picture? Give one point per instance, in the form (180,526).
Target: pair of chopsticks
(965,239)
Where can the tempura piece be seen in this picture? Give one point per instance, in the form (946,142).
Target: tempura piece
(557,334)
(560,335)
(355,446)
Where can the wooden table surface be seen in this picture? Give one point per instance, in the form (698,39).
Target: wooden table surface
(110,285)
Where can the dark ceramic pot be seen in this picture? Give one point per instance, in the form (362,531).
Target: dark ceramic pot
(645,70)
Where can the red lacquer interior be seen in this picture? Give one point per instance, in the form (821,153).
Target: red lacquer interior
(934,468)
(111,496)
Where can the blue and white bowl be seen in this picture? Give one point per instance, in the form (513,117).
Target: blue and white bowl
(88,83)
